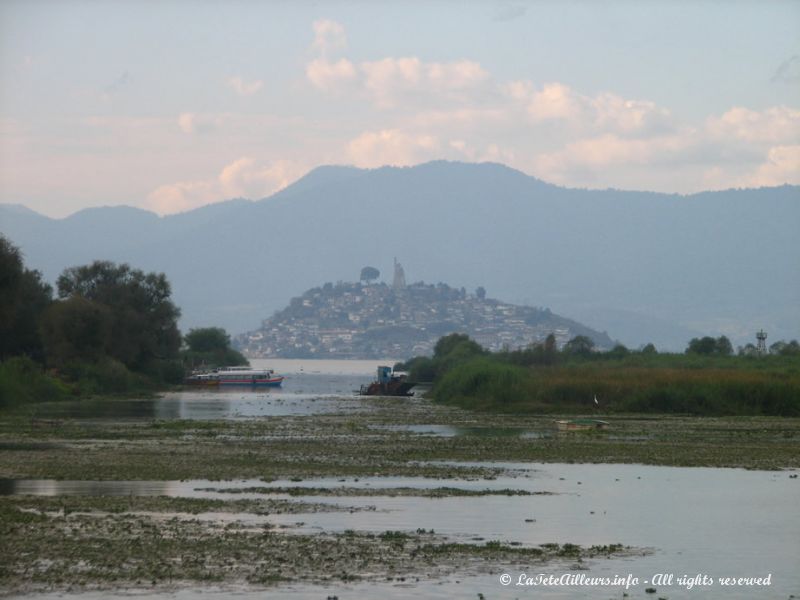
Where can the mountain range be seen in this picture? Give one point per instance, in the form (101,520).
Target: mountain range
(646,267)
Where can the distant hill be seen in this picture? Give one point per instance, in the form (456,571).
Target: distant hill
(645,266)
(353,320)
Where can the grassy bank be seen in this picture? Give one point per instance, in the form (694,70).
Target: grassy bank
(542,379)
(667,385)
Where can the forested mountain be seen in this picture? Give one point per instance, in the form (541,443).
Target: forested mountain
(643,266)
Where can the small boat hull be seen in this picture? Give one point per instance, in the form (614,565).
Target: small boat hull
(276,382)
(581,424)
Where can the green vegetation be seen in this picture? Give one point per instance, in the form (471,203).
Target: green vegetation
(211,347)
(23,381)
(706,380)
(112,330)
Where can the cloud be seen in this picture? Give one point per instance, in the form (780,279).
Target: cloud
(781,166)
(775,125)
(242,178)
(329,36)
(788,71)
(391,147)
(389,81)
(392,81)
(244,88)
(189,122)
(331,76)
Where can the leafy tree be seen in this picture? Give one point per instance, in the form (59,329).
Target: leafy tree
(580,345)
(748,350)
(618,351)
(23,298)
(649,349)
(76,329)
(143,318)
(704,345)
(457,343)
(211,346)
(550,349)
(782,348)
(207,339)
(369,274)
(480,292)
(723,346)
(708,345)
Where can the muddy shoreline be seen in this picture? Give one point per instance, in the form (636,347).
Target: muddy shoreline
(76,542)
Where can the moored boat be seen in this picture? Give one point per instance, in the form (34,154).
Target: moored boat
(581,424)
(241,376)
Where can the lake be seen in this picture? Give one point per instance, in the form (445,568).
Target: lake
(681,521)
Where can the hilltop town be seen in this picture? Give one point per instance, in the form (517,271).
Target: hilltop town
(369,319)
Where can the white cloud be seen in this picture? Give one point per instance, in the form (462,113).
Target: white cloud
(782,165)
(389,81)
(391,147)
(392,81)
(329,36)
(242,178)
(190,122)
(244,88)
(776,125)
(331,76)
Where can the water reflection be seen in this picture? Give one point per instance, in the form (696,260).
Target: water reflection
(477,431)
(722,522)
(301,394)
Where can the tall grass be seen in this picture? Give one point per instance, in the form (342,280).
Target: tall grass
(662,384)
(23,381)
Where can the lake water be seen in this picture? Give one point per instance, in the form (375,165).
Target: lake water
(714,522)
(310,387)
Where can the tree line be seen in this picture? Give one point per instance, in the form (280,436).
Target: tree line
(706,379)
(108,328)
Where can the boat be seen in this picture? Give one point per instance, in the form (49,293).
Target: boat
(242,376)
(581,424)
(388,383)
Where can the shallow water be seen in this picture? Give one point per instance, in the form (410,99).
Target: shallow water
(719,522)
(457,431)
(302,393)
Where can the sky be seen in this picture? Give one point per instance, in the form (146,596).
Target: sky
(175,104)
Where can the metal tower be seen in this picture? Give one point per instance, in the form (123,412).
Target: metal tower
(761,347)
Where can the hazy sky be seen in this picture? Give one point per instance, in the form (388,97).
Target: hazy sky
(174,104)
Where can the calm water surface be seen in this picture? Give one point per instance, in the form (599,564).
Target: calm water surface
(718,522)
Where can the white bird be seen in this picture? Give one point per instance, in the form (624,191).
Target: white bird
(596,403)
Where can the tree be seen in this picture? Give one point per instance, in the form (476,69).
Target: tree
(580,345)
(723,346)
(480,292)
(707,345)
(649,349)
(23,299)
(207,339)
(143,318)
(791,349)
(211,346)
(618,351)
(76,329)
(748,350)
(457,343)
(369,274)
(704,345)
